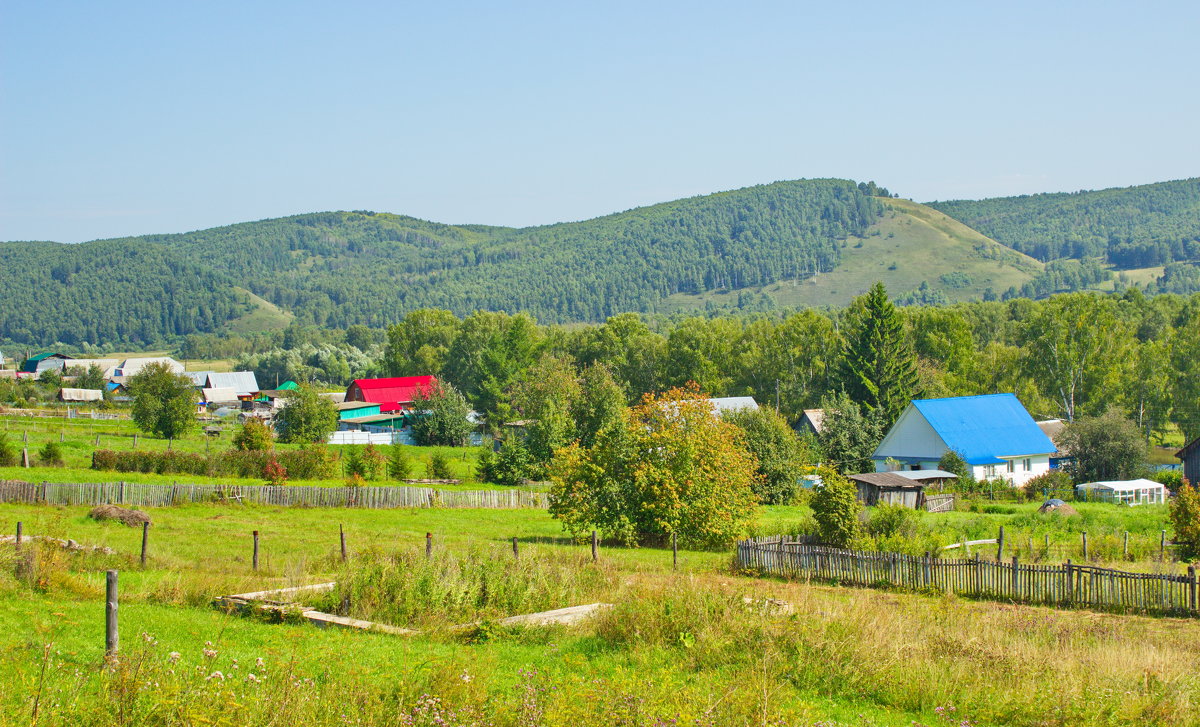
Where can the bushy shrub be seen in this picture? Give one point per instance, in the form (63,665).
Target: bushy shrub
(1056,482)
(887,520)
(51,454)
(511,466)
(835,508)
(399,464)
(1184,510)
(438,467)
(104,460)
(254,436)
(310,463)
(368,462)
(1172,479)
(8,452)
(275,473)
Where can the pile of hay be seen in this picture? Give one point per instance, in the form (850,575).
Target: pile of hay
(112,512)
(1058,507)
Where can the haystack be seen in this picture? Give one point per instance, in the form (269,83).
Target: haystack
(112,512)
(1058,507)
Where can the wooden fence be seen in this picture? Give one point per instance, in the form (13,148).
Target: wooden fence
(939,503)
(1066,585)
(144,495)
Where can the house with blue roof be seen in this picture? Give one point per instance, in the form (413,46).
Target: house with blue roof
(994,434)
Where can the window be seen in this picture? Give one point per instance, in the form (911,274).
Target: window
(1028,464)
(1012,466)
(989,470)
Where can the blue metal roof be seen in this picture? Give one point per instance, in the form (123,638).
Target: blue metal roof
(984,428)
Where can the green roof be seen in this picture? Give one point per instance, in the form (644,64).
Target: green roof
(288,386)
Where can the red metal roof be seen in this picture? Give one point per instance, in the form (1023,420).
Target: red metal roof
(399,390)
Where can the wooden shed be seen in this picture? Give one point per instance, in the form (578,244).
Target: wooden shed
(1190,456)
(889,487)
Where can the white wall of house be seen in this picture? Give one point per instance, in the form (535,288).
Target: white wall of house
(1017,470)
(911,436)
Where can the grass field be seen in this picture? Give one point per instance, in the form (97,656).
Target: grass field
(683,647)
(79,438)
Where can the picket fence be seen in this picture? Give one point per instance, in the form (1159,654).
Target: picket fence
(1065,585)
(145,495)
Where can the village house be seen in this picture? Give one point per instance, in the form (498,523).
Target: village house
(993,433)
(392,394)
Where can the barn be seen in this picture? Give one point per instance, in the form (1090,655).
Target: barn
(889,487)
(399,392)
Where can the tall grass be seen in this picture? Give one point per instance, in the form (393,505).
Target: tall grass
(458,586)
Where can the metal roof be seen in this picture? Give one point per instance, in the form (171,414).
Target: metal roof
(243,382)
(199,378)
(982,429)
(396,390)
(219,395)
(81,395)
(926,474)
(887,479)
(133,365)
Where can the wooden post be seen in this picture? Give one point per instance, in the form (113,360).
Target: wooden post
(145,541)
(255,550)
(97,440)
(19,527)
(928,570)
(1192,587)
(1016,581)
(342,538)
(516,548)
(61,438)
(595,546)
(135,440)
(1125,549)
(1070,581)
(25,457)
(111,639)
(1000,545)
(1047,546)
(674,551)
(1162,545)
(428,545)
(1085,553)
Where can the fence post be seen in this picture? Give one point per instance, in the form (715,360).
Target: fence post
(135,440)
(20,526)
(145,541)
(1047,546)
(595,547)
(428,545)
(1085,552)
(1016,580)
(928,570)
(1192,587)
(255,562)
(1162,545)
(111,639)
(1000,545)
(1125,548)
(342,540)
(25,457)
(1070,582)
(516,549)
(674,551)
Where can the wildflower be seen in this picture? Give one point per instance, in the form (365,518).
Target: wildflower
(173,657)
(253,679)
(215,675)
(209,653)
(149,639)
(465,676)
(260,663)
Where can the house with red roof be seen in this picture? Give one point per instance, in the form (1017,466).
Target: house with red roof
(394,394)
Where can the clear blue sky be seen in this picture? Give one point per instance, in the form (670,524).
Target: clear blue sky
(140,117)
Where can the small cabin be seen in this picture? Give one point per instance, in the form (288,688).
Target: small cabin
(889,487)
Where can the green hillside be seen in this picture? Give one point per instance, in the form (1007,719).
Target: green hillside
(909,245)
(1130,227)
(342,268)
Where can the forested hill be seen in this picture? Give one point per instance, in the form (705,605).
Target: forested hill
(341,268)
(1131,227)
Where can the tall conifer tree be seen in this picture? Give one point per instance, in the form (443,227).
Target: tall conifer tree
(878,367)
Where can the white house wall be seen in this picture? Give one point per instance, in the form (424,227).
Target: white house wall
(909,438)
(1039,464)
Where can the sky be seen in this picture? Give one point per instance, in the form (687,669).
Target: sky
(134,118)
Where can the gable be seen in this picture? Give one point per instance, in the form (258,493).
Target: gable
(911,437)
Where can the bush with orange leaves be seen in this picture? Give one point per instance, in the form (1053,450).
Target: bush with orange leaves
(671,466)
